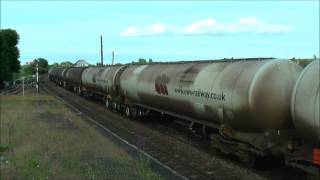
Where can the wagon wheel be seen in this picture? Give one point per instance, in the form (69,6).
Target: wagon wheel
(127,111)
(114,106)
(134,112)
(118,107)
(145,111)
(108,104)
(248,158)
(79,91)
(139,112)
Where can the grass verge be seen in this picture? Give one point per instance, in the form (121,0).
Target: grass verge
(43,139)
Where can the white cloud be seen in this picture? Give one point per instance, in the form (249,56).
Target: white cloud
(155,29)
(209,27)
(252,24)
(131,31)
(200,27)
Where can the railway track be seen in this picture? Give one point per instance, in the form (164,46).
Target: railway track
(14,90)
(178,153)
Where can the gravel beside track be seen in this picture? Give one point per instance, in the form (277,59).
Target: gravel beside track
(180,155)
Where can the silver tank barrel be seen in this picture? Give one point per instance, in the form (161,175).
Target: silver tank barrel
(248,95)
(102,79)
(305,103)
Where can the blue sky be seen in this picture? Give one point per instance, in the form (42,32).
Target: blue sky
(163,30)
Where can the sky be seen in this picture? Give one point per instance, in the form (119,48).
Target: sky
(162,30)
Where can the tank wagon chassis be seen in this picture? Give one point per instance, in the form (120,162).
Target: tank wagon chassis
(247,147)
(105,83)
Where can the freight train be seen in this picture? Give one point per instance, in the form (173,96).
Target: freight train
(249,108)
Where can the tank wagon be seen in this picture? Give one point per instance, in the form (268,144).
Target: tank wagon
(305,112)
(305,107)
(73,78)
(243,106)
(53,74)
(103,81)
(247,102)
(58,76)
(50,72)
(63,76)
(247,95)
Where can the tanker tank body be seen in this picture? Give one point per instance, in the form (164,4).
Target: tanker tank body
(305,103)
(89,79)
(103,81)
(52,73)
(63,76)
(304,153)
(73,78)
(59,73)
(244,99)
(249,95)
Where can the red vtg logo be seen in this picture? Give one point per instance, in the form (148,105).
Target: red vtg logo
(161,84)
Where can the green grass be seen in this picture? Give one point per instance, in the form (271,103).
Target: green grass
(43,139)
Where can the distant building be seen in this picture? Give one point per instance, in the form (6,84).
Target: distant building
(81,63)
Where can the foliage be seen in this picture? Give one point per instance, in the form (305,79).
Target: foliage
(98,64)
(9,54)
(62,64)
(42,65)
(142,61)
(27,70)
(3,148)
(54,65)
(66,64)
(30,69)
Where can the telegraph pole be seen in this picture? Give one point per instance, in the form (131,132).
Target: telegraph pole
(23,86)
(112,57)
(37,85)
(101,50)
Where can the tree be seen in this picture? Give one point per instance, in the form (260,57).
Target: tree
(99,64)
(28,70)
(66,64)
(42,65)
(54,65)
(9,54)
(32,68)
(142,61)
